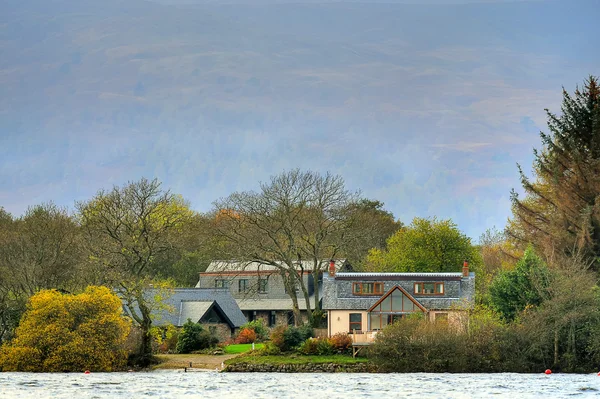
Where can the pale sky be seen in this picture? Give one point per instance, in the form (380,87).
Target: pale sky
(427,107)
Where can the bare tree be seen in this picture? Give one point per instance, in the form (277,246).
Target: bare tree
(128,230)
(39,250)
(295,218)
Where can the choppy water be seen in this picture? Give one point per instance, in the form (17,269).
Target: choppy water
(177,384)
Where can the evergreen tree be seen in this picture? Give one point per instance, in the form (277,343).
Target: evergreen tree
(514,290)
(561,209)
(193,337)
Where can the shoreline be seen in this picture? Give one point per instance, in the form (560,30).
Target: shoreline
(191,362)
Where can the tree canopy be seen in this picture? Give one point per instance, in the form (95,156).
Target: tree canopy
(512,291)
(296,216)
(560,210)
(64,332)
(128,230)
(426,245)
(39,250)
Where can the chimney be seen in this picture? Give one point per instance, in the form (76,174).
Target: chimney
(465,272)
(332,268)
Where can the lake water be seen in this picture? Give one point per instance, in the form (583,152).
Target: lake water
(177,384)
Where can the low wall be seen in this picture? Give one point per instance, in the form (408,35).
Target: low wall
(300,368)
(320,332)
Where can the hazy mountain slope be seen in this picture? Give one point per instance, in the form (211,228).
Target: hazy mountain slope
(415,104)
(135,64)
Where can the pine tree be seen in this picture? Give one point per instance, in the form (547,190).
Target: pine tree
(561,208)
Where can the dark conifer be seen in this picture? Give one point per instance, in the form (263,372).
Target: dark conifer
(561,208)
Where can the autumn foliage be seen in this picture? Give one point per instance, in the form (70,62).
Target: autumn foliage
(342,342)
(64,332)
(246,336)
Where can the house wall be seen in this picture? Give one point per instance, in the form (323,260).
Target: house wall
(282,317)
(220,330)
(457,318)
(275,286)
(339,321)
(337,292)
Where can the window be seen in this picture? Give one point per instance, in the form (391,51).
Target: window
(219,283)
(429,288)
(367,288)
(272,318)
(262,285)
(243,285)
(355,322)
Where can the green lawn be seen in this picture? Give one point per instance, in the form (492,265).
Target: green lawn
(241,348)
(296,359)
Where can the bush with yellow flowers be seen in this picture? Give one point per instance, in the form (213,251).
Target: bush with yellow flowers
(64,332)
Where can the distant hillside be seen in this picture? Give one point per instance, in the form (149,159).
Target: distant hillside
(97,65)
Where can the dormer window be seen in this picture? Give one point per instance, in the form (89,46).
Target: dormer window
(262,285)
(367,288)
(429,289)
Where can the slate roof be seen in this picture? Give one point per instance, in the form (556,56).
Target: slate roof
(195,302)
(273,304)
(392,276)
(337,290)
(222,266)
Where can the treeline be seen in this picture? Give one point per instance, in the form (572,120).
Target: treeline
(121,238)
(537,294)
(139,235)
(534,317)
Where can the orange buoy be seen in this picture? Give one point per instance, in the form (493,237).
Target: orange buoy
(548,371)
(86,372)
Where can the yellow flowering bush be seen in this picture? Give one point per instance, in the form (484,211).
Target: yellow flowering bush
(64,332)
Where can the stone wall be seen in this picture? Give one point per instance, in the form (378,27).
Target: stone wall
(220,330)
(301,368)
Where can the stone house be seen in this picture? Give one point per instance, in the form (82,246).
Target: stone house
(259,289)
(364,303)
(215,309)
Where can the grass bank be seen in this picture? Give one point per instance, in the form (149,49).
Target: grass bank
(295,359)
(241,348)
(180,361)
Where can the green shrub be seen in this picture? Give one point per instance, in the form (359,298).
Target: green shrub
(342,342)
(292,337)
(487,346)
(193,337)
(269,349)
(306,332)
(325,347)
(258,326)
(308,347)
(412,345)
(287,338)
(317,346)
